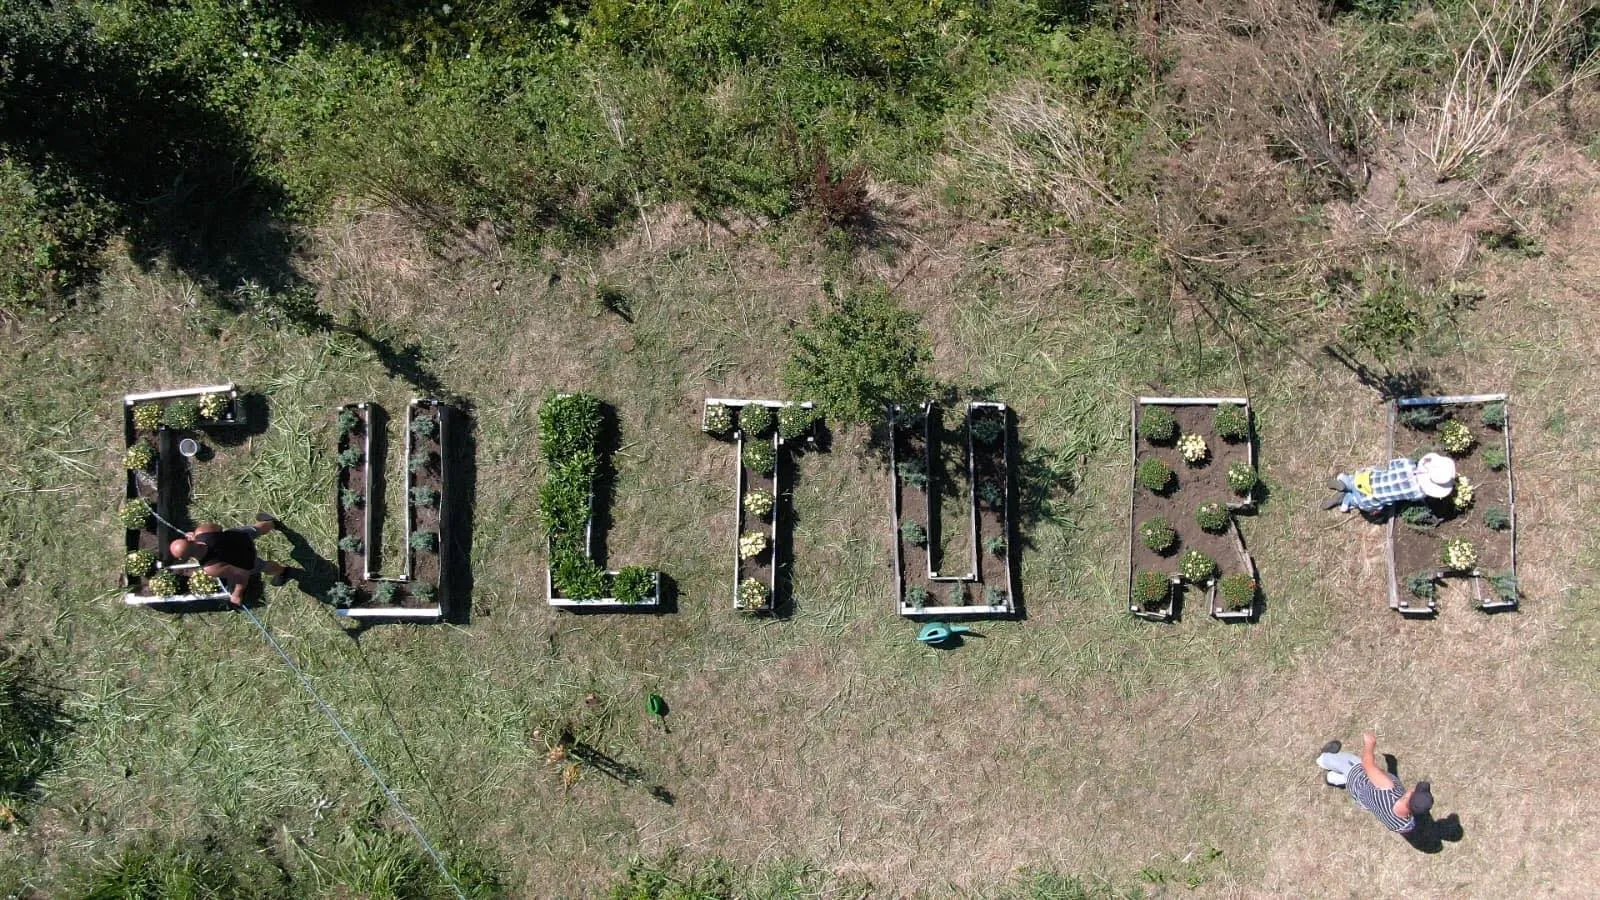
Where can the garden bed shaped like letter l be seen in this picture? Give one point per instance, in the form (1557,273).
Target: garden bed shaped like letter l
(1183,451)
(1475,431)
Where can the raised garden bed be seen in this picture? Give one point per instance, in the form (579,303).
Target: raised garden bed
(153,423)
(569,441)
(1193,467)
(421,591)
(1425,539)
(942,475)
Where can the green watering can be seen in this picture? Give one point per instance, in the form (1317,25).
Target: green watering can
(936,634)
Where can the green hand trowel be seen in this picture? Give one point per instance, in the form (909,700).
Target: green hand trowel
(937,634)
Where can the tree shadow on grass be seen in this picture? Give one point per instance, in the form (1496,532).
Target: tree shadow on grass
(32,728)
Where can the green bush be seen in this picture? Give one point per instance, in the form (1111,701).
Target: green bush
(1494,414)
(134,515)
(1158,535)
(147,416)
(1504,586)
(988,425)
(350,498)
(1151,590)
(756,420)
(633,584)
(718,419)
(914,471)
(1385,320)
(577,577)
(165,584)
(350,457)
(424,496)
(862,354)
(993,596)
(1421,418)
(996,545)
(1420,517)
(181,415)
(1496,518)
(1423,586)
(992,494)
(139,563)
(1494,457)
(913,533)
(569,428)
(383,593)
(340,594)
(1238,591)
(50,230)
(1242,478)
(426,541)
(795,422)
(1231,422)
(419,461)
(1096,60)
(760,458)
(351,544)
(916,596)
(424,424)
(1154,475)
(1212,517)
(1196,567)
(1157,425)
(422,593)
(138,457)
(348,420)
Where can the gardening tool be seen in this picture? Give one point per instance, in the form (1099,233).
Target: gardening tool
(658,708)
(937,634)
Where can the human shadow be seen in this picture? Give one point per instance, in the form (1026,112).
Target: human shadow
(613,768)
(1432,834)
(312,572)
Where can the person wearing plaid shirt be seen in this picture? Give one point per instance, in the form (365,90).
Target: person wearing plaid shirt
(1401,481)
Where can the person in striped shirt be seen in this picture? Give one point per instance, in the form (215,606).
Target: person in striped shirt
(1373,788)
(1371,489)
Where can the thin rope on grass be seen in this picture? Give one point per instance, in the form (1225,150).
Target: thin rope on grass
(327,711)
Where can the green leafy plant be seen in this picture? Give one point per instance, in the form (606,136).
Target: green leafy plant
(1151,590)
(864,353)
(203,585)
(1193,449)
(1231,422)
(569,428)
(753,544)
(633,584)
(1423,586)
(424,425)
(383,593)
(577,577)
(1238,591)
(139,563)
(1494,458)
(133,515)
(1421,418)
(426,541)
(992,495)
(988,425)
(1212,517)
(1196,567)
(758,503)
(752,594)
(1420,517)
(795,422)
(419,461)
(350,457)
(1242,477)
(958,594)
(1496,518)
(424,496)
(1459,555)
(1157,425)
(1385,319)
(340,594)
(914,471)
(1159,535)
(422,593)
(913,533)
(1504,586)
(165,584)
(213,405)
(760,458)
(756,420)
(350,498)
(1494,414)
(993,596)
(139,457)
(1456,438)
(718,419)
(181,415)
(1154,475)
(351,544)
(916,597)
(147,416)
(348,420)
(996,545)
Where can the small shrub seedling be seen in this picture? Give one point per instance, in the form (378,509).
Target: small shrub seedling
(350,544)
(753,545)
(752,594)
(348,421)
(1459,555)
(139,457)
(419,462)
(1504,586)
(958,594)
(349,457)
(719,419)
(633,584)
(1456,438)
(181,415)
(422,593)
(1494,414)
(424,540)
(133,515)
(756,420)
(914,533)
(203,585)
(1155,475)
(1212,517)
(1242,477)
(995,545)
(340,594)
(993,596)
(1194,450)
(424,496)
(758,504)
(1423,585)
(383,594)
(424,426)
(577,577)
(991,494)
(1238,591)
(147,416)
(165,584)
(350,498)
(213,405)
(1157,425)
(1419,517)
(987,427)
(1231,422)
(761,459)
(914,472)
(1461,498)
(795,422)
(1196,567)
(916,596)
(1421,418)
(1494,458)
(1496,518)
(139,563)
(1151,590)
(1158,535)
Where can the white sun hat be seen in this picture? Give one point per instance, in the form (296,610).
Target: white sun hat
(1436,475)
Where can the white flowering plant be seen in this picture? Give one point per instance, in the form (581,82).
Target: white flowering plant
(752,594)
(212,406)
(1462,498)
(1459,555)
(752,545)
(758,504)
(1193,447)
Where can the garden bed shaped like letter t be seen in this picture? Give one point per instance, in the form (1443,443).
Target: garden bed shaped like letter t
(153,425)
(569,441)
(421,591)
(1470,534)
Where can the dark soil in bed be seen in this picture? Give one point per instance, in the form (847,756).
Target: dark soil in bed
(909,444)
(1420,550)
(1191,487)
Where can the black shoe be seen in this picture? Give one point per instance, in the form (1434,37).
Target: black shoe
(1331,747)
(282,578)
(1334,484)
(1332,502)
(266,517)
